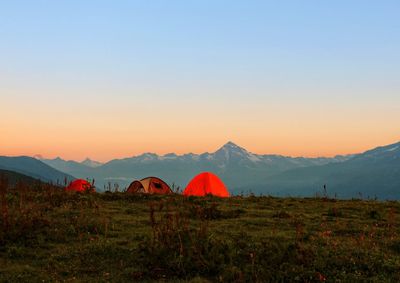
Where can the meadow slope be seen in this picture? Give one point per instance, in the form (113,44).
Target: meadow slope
(49,235)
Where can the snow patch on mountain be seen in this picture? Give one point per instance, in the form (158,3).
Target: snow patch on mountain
(392,149)
(91,163)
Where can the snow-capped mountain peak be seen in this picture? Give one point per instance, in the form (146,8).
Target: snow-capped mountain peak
(146,157)
(91,163)
(231,148)
(38,156)
(388,152)
(232,151)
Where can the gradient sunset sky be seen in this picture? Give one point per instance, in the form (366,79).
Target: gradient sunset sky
(111,79)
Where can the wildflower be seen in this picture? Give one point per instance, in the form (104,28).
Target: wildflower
(321,277)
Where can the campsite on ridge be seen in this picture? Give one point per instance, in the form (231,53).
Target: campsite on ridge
(200,141)
(51,234)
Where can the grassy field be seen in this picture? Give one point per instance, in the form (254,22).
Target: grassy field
(48,235)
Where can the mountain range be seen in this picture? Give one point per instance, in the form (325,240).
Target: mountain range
(34,168)
(374,173)
(238,168)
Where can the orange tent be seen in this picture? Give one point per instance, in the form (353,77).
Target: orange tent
(149,185)
(79,185)
(206,184)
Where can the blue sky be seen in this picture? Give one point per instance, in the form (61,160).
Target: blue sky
(299,40)
(282,57)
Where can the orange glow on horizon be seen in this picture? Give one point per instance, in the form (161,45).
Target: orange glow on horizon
(104,154)
(295,126)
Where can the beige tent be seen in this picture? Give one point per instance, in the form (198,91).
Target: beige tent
(149,185)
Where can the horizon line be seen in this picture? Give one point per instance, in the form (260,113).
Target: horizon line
(41,157)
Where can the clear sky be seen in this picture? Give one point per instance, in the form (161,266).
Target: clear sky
(109,79)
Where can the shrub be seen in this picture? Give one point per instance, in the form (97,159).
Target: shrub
(374,214)
(281,214)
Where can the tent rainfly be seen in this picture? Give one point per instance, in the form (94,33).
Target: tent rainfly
(206,183)
(149,185)
(79,185)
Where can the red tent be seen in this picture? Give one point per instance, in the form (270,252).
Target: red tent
(79,185)
(204,184)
